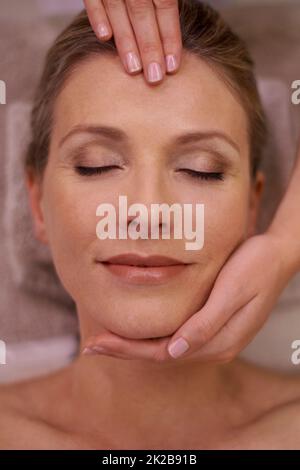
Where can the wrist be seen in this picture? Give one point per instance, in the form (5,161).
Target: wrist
(288,248)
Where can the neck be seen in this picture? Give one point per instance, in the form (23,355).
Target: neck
(149,395)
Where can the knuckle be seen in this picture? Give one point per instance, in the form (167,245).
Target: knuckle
(93,10)
(149,47)
(227,356)
(228,332)
(171,40)
(139,7)
(159,357)
(204,329)
(112,4)
(162,4)
(124,42)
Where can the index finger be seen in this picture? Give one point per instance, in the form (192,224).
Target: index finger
(154,349)
(98,19)
(167,14)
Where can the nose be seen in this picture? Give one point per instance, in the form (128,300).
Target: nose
(147,222)
(149,194)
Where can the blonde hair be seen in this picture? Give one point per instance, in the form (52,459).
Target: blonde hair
(204,33)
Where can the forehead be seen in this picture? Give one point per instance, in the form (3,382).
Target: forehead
(99,91)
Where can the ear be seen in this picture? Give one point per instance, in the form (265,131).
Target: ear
(256,191)
(34,188)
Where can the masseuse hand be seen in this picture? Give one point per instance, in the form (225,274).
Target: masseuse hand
(147,34)
(241,300)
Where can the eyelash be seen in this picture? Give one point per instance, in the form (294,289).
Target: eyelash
(94,170)
(90,171)
(204,175)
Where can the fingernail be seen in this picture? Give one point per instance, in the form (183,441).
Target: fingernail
(88,351)
(93,350)
(99,349)
(133,62)
(179,347)
(103,30)
(154,72)
(171,63)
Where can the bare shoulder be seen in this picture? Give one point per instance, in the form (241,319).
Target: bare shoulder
(14,416)
(279,429)
(24,414)
(11,416)
(276,421)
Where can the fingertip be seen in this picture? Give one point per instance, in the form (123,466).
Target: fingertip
(133,63)
(103,32)
(87,351)
(171,63)
(99,349)
(178,347)
(154,73)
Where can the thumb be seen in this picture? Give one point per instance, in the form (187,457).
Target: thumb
(200,328)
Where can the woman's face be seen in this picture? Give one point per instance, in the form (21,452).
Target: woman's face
(148,166)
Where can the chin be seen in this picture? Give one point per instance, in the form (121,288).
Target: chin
(141,313)
(147,329)
(148,320)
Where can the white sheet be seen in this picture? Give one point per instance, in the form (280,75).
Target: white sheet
(33,358)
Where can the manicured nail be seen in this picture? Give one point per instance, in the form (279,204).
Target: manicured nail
(103,30)
(171,63)
(88,351)
(99,349)
(154,72)
(133,62)
(93,350)
(179,347)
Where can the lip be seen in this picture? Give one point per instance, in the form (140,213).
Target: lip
(137,269)
(138,260)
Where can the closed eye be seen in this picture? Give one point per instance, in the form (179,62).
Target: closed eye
(204,175)
(94,170)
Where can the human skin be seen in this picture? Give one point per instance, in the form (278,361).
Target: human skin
(104,402)
(225,324)
(147,34)
(148,174)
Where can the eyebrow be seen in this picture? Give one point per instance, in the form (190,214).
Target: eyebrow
(117,135)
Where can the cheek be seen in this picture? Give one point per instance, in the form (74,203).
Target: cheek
(226,207)
(226,223)
(70,218)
